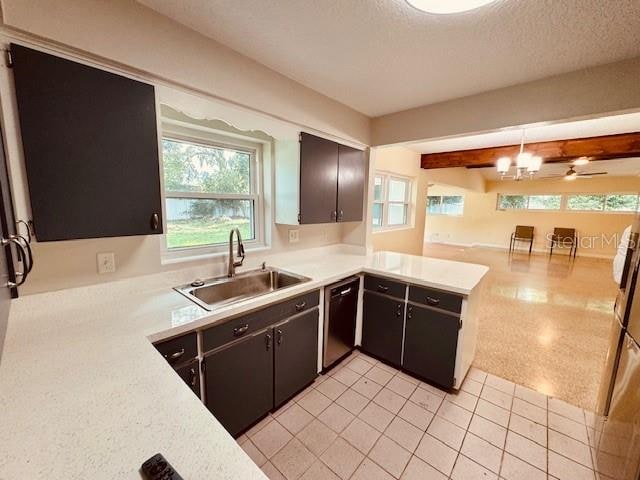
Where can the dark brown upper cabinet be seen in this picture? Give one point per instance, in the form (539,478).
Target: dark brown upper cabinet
(350,183)
(90,145)
(318,181)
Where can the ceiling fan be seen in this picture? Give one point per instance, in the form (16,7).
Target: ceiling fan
(572,174)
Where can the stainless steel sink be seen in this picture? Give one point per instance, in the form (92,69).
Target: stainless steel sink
(222,291)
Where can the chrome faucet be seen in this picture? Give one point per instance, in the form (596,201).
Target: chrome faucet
(233,263)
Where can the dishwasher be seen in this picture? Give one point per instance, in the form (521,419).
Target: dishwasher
(340,310)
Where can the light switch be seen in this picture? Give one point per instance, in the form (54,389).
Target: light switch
(106,262)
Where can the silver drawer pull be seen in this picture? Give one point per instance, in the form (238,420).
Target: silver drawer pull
(300,306)
(174,355)
(344,292)
(383,288)
(239,331)
(433,301)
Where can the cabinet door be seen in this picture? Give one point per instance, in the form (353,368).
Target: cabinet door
(239,381)
(382,327)
(190,373)
(296,355)
(431,339)
(90,147)
(318,179)
(350,184)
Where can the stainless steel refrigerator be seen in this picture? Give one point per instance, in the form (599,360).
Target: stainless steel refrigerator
(616,434)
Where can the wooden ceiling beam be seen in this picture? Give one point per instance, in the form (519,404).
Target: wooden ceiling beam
(596,148)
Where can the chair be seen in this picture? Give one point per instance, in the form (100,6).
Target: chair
(564,237)
(523,233)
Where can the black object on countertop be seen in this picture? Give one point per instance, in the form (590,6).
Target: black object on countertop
(158,468)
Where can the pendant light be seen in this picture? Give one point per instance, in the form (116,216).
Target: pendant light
(527,164)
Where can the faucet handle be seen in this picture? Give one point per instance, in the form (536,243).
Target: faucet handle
(263,266)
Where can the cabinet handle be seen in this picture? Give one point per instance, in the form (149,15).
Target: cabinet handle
(399,311)
(433,301)
(383,288)
(155,221)
(334,215)
(409,312)
(239,331)
(300,306)
(24,252)
(193,377)
(175,355)
(340,215)
(267,340)
(24,222)
(28,261)
(279,337)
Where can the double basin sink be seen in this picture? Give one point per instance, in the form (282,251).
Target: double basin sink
(223,291)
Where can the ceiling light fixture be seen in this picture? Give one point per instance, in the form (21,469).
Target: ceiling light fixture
(527,164)
(444,7)
(581,161)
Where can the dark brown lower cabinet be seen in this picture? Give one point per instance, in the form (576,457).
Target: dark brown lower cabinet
(431,340)
(190,373)
(382,327)
(239,381)
(295,355)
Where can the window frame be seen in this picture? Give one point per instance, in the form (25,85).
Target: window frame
(197,136)
(461,214)
(385,202)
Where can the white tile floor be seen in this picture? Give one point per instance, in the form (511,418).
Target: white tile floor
(368,421)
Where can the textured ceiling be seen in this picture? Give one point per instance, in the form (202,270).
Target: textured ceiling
(383,56)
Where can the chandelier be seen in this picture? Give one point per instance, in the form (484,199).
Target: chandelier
(527,165)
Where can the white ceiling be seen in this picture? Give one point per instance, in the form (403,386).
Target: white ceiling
(595,127)
(623,167)
(382,56)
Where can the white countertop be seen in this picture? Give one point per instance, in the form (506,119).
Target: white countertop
(84,394)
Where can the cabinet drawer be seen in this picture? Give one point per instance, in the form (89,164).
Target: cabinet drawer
(180,349)
(436,298)
(255,321)
(384,285)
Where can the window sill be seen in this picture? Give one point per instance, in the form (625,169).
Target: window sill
(172,258)
(391,229)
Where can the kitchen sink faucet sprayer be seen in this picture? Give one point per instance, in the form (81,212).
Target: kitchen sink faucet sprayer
(233,263)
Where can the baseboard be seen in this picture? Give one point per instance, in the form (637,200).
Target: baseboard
(519,250)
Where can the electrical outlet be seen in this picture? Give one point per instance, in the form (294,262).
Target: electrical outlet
(294,236)
(106,262)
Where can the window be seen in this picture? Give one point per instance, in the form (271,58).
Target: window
(613,202)
(391,196)
(621,203)
(585,202)
(445,205)
(579,202)
(529,202)
(209,190)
